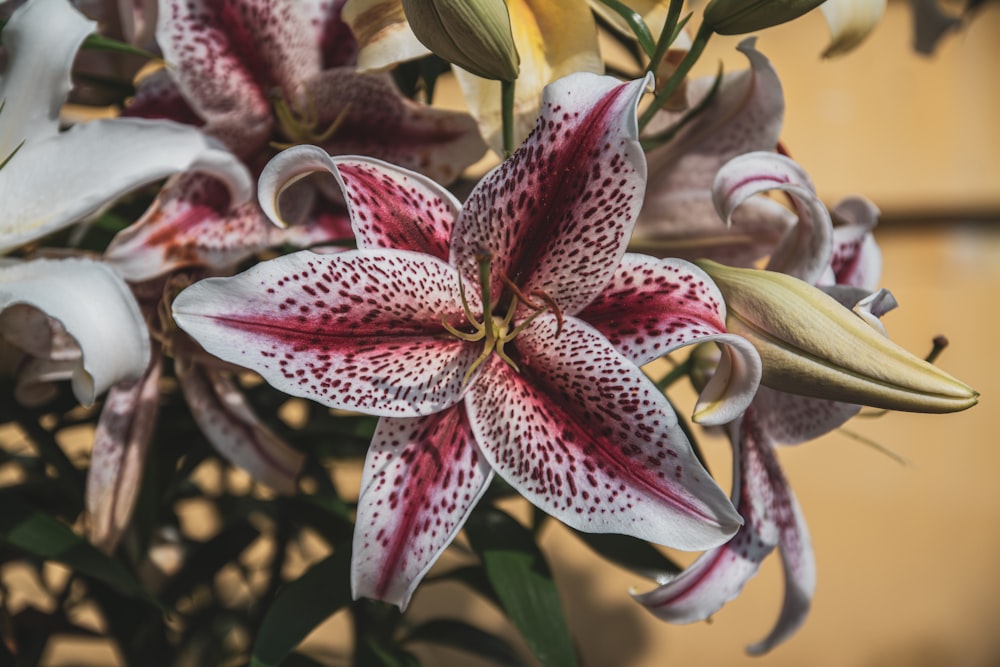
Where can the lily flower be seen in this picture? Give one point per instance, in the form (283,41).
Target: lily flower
(553,39)
(761,493)
(461,327)
(40,41)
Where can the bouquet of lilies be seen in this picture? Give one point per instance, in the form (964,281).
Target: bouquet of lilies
(253,240)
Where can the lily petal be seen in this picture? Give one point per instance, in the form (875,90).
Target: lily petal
(131,152)
(383,34)
(333,35)
(373,118)
(121,445)
(805,251)
(227,420)
(678,218)
(550,225)
(96,308)
(584,435)
(554,38)
(857,260)
(850,22)
(652,307)
(41,40)
(422,478)
(360,330)
(772,516)
(226,58)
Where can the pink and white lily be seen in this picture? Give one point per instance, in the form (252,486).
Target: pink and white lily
(847,261)
(464,328)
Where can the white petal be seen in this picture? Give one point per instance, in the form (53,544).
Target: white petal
(95,306)
(41,40)
(850,22)
(93,164)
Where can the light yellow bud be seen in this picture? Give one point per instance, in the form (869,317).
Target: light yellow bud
(811,345)
(736,17)
(473,34)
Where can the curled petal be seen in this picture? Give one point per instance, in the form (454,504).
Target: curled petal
(422,478)
(652,307)
(373,118)
(95,307)
(383,34)
(131,152)
(857,260)
(41,40)
(226,59)
(360,330)
(553,40)
(805,250)
(121,445)
(46,354)
(550,225)
(584,435)
(227,420)
(850,21)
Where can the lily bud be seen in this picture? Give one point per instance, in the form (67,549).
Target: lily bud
(811,345)
(473,34)
(735,17)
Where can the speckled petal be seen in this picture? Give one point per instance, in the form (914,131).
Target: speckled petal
(789,419)
(771,514)
(189,224)
(373,118)
(652,307)
(360,330)
(806,249)
(336,43)
(117,462)
(421,479)
(583,434)
(227,420)
(557,214)
(226,57)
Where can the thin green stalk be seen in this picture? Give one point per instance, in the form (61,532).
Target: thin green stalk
(667,35)
(635,23)
(507,111)
(675,80)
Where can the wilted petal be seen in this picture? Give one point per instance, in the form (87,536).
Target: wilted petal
(360,330)
(41,40)
(553,39)
(227,56)
(383,34)
(227,420)
(771,516)
(584,435)
(422,477)
(95,307)
(805,250)
(652,307)
(850,23)
(121,444)
(130,151)
(373,118)
(678,217)
(550,225)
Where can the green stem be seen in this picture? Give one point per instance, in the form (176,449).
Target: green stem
(675,80)
(667,35)
(507,111)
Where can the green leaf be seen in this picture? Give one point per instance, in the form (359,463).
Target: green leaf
(301,606)
(523,583)
(101,43)
(465,637)
(632,554)
(38,534)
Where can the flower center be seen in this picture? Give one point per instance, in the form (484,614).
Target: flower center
(497,330)
(300,122)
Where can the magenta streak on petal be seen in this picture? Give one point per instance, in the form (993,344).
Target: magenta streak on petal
(776,180)
(393,214)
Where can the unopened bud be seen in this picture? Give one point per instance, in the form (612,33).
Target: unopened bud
(473,34)
(736,17)
(812,345)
